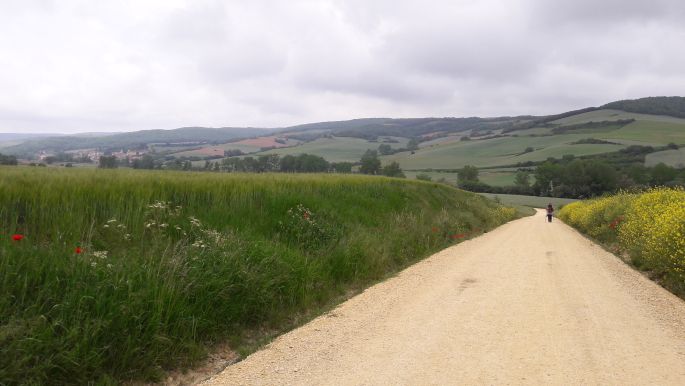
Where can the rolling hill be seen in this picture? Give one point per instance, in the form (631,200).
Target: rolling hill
(445,143)
(137,139)
(502,142)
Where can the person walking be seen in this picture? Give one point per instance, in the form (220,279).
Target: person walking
(550,212)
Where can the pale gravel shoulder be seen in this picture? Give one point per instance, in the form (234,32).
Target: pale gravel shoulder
(527,303)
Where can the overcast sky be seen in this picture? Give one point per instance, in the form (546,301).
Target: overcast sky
(74,66)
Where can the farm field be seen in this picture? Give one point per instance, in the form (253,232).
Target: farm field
(527,203)
(497,151)
(217,150)
(118,275)
(246,146)
(675,158)
(494,177)
(650,132)
(336,149)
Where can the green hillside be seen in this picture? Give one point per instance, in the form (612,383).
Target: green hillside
(338,149)
(497,151)
(675,158)
(135,139)
(503,142)
(490,142)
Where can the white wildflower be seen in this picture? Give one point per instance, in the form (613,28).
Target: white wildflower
(100,254)
(194,222)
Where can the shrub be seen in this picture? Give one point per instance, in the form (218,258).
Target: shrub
(649,226)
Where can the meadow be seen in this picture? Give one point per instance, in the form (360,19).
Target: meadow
(116,275)
(674,157)
(493,177)
(526,204)
(337,149)
(649,227)
(496,152)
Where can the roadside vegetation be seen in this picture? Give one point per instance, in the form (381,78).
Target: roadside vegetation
(116,275)
(648,227)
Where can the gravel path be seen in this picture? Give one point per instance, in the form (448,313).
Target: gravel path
(527,303)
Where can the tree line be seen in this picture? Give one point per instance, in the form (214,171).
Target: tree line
(270,163)
(576,178)
(8,159)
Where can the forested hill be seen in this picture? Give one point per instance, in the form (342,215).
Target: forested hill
(673,106)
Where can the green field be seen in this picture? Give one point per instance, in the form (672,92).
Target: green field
(614,115)
(675,158)
(219,150)
(336,149)
(497,151)
(123,274)
(650,132)
(526,203)
(494,177)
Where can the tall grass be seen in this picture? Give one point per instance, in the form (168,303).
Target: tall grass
(170,261)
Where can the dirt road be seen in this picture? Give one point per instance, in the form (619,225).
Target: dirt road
(528,303)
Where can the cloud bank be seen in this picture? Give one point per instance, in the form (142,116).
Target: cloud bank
(70,65)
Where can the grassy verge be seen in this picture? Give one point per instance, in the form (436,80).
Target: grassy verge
(648,227)
(116,275)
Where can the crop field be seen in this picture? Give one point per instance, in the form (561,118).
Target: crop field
(218,150)
(675,158)
(650,132)
(648,226)
(526,203)
(497,151)
(116,275)
(500,177)
(494,177)
(337,149)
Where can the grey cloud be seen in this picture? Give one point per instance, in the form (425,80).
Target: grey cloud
(75,65)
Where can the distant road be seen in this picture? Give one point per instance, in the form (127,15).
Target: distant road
(528,303)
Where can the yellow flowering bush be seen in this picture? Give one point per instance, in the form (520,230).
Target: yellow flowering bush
(505,214)
(599,218)
(650,226)
(654,231)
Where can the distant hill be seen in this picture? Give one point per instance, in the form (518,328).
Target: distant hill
(137,139)
(444,141)
(672,106)
(5,137)
(406,127)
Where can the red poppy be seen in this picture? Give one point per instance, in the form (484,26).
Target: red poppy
(78,250)
(434,229)
(458,236)
(17,237)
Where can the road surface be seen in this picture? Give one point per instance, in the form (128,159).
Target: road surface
(528,303)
